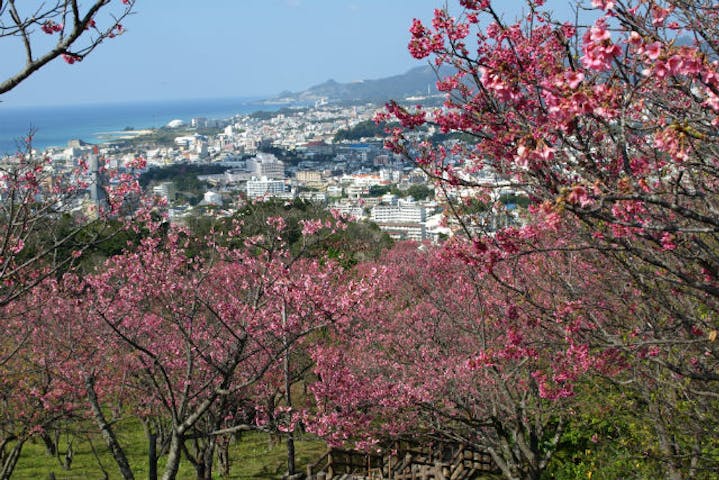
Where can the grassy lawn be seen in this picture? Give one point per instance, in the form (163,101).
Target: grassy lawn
(252,457)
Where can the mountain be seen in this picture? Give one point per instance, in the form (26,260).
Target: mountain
(416,82)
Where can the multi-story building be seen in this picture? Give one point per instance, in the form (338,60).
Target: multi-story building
(401,213)
(309,176)
(404,221)
(199,122)
(405,231)
(349,209)
(319,197)
(266,165)
(264,187)
(98,182)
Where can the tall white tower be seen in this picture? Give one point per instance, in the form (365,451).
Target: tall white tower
(98,181)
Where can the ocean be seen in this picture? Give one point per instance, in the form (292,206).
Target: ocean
(55,125)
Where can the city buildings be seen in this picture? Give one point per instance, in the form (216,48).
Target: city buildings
(347,176)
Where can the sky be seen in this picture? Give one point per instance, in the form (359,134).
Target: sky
(186,49)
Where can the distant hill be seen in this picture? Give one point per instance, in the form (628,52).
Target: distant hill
(416,82)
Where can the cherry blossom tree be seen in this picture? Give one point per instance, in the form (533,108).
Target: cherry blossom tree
(611,123)
(46,349)
(75,30)
(588,120)
(37,238)
(32,194)
(198,333)
(451,351)
(607,123)
(42,238)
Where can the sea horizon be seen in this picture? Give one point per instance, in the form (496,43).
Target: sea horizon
(54,126)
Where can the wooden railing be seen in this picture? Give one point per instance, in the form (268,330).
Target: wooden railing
(337,462)
(467,463)
(405,461)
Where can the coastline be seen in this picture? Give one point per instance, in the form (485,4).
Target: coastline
(123,134)
(55,126)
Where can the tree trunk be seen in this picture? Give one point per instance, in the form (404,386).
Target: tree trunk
(288,400)
(50,446)
(207,457)
(200,470)
(152,456)
(290,453)
(107,434)
(223,456)
(11,460)
(173,456)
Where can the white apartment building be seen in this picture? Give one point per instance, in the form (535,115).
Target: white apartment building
(401,213)
(264,187)
(320,197)
(347,209)
(355,191)
(405,231)
(266,165)
(404,221)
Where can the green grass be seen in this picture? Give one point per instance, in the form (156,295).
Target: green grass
(252,457)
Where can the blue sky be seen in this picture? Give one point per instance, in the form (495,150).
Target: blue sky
(176,49)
